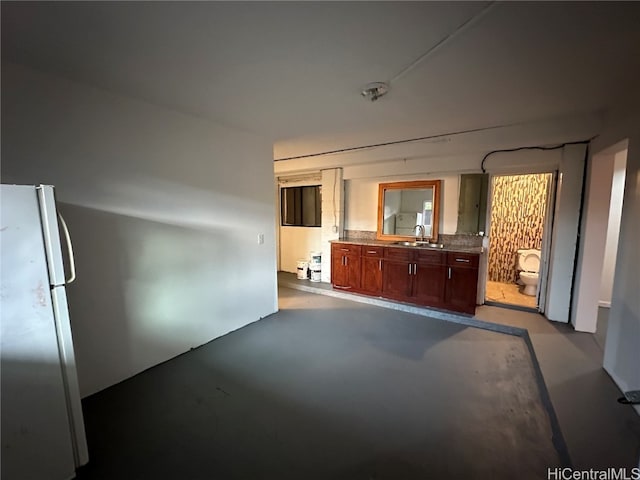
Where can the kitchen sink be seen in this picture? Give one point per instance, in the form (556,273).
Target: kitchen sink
(420,244)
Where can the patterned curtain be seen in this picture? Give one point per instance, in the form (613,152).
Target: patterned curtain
(517,220)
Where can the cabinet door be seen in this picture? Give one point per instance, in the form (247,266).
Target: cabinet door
(397,279)
(429,284)
(352,267)
(338,270)
(371,281)
(462,283)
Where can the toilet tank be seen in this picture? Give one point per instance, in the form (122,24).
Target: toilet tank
(529,260)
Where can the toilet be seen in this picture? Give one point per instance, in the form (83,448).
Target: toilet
(529,264)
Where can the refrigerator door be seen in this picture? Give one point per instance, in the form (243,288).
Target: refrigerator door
(52,245)
(69,375)
(49,217)
(36,436)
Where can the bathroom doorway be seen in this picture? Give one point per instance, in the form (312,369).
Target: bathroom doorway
(518,240)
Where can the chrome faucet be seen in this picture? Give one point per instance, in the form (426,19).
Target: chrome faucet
(421,227)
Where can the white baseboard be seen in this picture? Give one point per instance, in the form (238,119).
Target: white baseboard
(604,304)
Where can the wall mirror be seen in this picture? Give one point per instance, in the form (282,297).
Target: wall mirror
(472,203)
(402,206)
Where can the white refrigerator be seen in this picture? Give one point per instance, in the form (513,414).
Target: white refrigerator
(43,433)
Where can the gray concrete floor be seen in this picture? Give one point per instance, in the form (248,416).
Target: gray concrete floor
(332,389)
(598,431)
(601,327)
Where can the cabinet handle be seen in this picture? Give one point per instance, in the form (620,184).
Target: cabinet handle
(343,259)
(380,264)
(465,260)
(346,260)
(344,249)
(415,268)
(372,251)
(449,275)
(409,269)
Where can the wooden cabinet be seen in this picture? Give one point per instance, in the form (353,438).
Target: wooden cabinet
(416,276)
(397,279)
(371,277)
(462,282)
(428,277)
(345,266)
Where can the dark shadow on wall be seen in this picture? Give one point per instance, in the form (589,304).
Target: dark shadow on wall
(97,308)
(138,289)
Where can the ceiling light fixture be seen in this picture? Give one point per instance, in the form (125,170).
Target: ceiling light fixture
(373,91)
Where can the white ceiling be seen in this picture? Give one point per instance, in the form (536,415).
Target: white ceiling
(293,71)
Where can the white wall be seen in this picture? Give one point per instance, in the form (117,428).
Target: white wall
(361,200)
(164,209)
(332,216)
(622,352)
(296,243)
(613,228)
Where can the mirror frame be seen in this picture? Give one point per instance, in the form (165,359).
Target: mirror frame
(419,184)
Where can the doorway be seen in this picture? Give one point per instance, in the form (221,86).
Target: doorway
(597,263)
(611,245)
(518,240)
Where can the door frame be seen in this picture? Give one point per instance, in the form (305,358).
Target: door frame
(545,251)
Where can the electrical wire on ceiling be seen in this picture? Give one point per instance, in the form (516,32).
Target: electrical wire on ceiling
(536,147)
(440,43)
(397,142)
(373,91)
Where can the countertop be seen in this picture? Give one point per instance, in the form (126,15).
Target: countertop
(384,243)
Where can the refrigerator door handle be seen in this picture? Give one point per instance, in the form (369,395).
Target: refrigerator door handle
(72,262)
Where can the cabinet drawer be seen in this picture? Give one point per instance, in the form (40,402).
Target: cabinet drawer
(430,257)
(342,248)
(368,251)
(455,259)
(397,253)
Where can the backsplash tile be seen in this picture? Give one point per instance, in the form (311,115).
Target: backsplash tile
(460,240)
(455,240)
(359,235)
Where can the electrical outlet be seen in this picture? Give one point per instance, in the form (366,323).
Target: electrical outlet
(335,229)
(260,238)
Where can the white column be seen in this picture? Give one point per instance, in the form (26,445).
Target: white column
(332,215)
(565,233)
(613,228)
(595,216)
